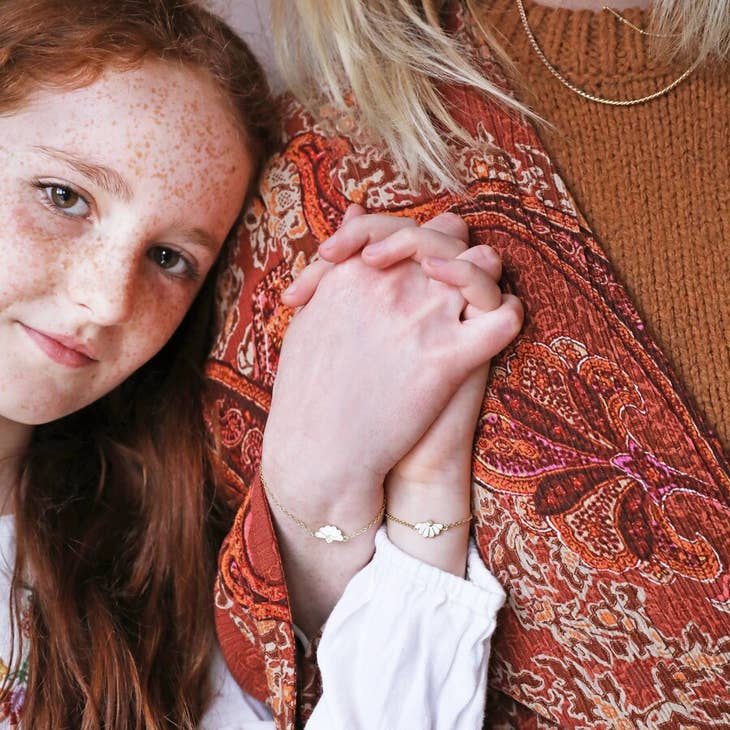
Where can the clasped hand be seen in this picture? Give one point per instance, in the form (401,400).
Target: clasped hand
(382,369)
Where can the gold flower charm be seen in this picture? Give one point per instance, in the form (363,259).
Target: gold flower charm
(330,533)
(428,528)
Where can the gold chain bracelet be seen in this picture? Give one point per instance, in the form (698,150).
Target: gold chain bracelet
(429,528)
(328,533)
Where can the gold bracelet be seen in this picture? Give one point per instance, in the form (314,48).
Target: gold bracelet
(429,528)
(328,533)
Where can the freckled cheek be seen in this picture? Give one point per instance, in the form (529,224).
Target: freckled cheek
(23,224)
(158,315)
(35,230)
(31,254)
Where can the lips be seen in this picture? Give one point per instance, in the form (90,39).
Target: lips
(61,349)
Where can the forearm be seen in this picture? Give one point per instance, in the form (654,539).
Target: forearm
(316,571)
(317,574)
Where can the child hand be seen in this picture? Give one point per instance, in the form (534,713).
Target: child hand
(433,481)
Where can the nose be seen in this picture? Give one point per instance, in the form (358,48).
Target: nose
(107,291)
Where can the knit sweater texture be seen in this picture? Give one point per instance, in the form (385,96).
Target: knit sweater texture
(652,180)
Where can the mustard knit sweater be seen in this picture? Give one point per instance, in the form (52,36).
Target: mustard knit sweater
(652,180)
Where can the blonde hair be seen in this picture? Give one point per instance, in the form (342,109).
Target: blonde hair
(394,55)
(693,29)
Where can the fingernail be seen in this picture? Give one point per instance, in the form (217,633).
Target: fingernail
(435,261)
(374,248)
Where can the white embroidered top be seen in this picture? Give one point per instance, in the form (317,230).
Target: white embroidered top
(405,648)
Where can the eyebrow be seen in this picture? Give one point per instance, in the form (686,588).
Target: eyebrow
(199,237)
(104,177)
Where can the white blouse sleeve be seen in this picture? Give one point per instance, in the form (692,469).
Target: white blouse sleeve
(231,708)
(406,647)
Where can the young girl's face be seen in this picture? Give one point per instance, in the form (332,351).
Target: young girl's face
(115,200)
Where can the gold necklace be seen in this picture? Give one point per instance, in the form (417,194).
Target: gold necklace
(631,25)
(591,97)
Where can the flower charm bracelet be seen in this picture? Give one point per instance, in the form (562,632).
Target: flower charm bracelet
(328,533)
(428,528)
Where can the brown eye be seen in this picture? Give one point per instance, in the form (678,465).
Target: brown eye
(170,260)
(66,200)
(165,258)
(63,197)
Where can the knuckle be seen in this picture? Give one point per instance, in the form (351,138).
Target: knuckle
(342,272)
(355,228)
(489,253)
(466,272)
(459,245)
(360,228)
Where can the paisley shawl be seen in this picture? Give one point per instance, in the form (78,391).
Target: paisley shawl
(602,500)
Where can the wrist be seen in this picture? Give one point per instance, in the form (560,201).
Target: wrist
(443,509)
(451,497)
(442,503)
(447,551)
(319,497)
(449,474)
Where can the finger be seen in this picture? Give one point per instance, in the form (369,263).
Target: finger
(450,224)
(416,243)
(358,232)
(490,261)
(303,287)
(488,334)
(353,211)
(477,287)
(470,312)
(486,258)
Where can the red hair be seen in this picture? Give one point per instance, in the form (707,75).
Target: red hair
(115,508)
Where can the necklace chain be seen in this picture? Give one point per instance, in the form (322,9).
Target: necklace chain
(631,25)
(575,89)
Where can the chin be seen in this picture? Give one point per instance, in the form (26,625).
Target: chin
(37,410)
